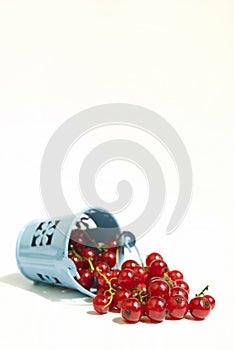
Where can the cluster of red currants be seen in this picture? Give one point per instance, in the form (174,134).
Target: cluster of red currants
(135,291)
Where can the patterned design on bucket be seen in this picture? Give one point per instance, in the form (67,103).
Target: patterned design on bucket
(46,278)
(44,233)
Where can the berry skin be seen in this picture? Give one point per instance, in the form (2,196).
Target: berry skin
(199,307)
(101,266)
(131,310)
(88,253)
(120,296)
(100,304)
(182,284)
(86,278)
(78,262)
(113,278)
(158,268)
(109,257)
(127,279)
(129,264)
(179,291)
(141,274)
(211,300)
(151,257)
(102,280)
(175,275)
(177,306)
(158,287)
(156,309)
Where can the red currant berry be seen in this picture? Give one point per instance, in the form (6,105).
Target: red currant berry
(175,275)
(140,273)
(131,310)
(88,253)
(127,279)
(156,309)
(78,262)
(100,266)
(86,278)
(109,257)
(129,264)
(182,284)
(158,288)
(158,268)
(103,280)
(100,304)
(177,306)
(151,257)
(199,307)
(211,300)
(179,291)
(114,278)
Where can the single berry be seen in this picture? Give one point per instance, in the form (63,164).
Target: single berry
(109,257)
(131,310)
(199,307)
(151,257)
(88,254)
(177,306)
(175,275)
(141,274)
(78,262)
(211,300)
(101,304)
(156,309)
(86,278)
(127,279)
(158,268)
(158,288)
(129,264)
(100,266)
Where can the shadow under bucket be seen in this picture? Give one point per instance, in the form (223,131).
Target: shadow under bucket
(42,249)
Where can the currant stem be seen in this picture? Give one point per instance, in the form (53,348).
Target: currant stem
(203,291)
(111,290)
(76,254)
(141,295)
(168,279)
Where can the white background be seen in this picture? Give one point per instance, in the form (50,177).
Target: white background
(174,57)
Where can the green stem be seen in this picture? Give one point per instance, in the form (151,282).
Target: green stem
(168,279)
(203,291)
(141,295)
(111,290)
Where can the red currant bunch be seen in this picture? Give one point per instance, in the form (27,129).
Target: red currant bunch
(137,291)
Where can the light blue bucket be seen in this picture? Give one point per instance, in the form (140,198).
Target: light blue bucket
(42,246)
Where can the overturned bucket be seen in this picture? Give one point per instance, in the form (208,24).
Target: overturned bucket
(42,246)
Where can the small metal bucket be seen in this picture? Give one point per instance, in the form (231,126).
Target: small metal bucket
(42,246)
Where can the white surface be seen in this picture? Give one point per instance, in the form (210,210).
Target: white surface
(175,57)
